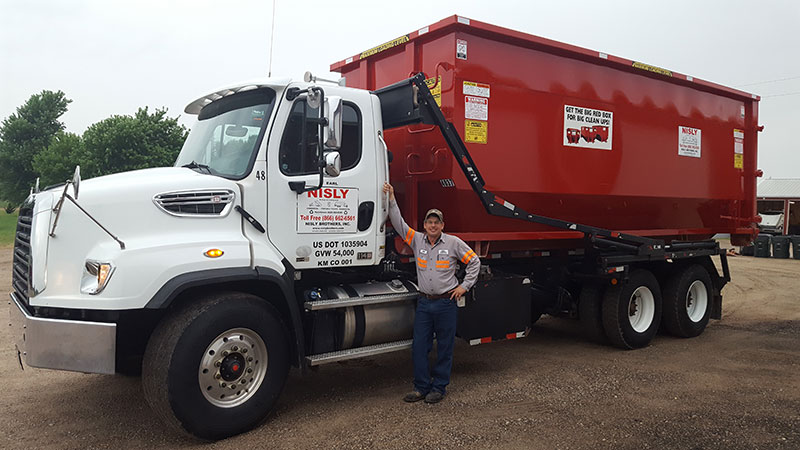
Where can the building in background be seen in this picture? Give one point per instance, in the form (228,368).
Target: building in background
(781,195)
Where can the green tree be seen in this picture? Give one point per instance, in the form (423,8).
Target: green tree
(25,134)
(57,162)
(122,143)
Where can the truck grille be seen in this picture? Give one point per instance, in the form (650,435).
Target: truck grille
(196,203)
(21,277)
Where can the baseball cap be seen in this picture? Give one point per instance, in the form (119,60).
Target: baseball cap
(434,212)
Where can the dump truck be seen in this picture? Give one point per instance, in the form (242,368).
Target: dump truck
(266,245)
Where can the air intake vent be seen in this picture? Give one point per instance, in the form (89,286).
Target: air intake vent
(21,277)
(214,203)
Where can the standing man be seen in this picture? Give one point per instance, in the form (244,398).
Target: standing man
(436,256)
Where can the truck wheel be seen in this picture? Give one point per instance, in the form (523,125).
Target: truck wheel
(590,313)
(687,301)
(632,311)
(215,368)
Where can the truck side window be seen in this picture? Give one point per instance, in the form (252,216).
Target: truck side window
(296,160)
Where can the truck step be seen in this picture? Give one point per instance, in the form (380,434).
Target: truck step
(317,305)
(359,352)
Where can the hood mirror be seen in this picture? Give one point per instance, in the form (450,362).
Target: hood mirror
(76,180)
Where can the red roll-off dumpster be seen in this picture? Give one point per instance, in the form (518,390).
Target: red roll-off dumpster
(672,165)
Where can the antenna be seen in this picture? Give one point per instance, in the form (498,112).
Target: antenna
(271,38)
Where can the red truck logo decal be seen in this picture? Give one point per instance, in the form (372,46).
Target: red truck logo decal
(587,133)
(573,135)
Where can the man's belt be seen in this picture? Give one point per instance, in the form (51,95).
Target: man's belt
(434,297)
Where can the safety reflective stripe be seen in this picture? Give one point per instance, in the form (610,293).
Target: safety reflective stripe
(422,263)
(486,340)
(409,236)
(467,257)
(442,264)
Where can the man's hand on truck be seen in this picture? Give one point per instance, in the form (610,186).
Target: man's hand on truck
(388,189)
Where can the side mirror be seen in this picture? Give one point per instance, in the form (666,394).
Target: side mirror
(333,164)
(332,136)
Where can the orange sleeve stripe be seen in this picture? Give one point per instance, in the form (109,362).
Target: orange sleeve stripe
(468,257)
(410,236)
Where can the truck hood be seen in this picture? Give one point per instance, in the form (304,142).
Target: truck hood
(166,218)
(129,204)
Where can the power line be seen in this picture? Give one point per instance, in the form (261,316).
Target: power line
(781,95)
(770,81)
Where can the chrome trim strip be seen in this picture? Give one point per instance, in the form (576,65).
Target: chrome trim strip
(62,344)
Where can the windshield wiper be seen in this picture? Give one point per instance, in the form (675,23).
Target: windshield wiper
(194,165)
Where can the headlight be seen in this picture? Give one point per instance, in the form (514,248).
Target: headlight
(95,276)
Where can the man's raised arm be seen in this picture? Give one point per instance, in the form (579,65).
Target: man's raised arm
(406,233)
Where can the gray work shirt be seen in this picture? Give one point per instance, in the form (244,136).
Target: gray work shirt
(437,263)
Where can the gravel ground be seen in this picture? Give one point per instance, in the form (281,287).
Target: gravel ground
(734,387)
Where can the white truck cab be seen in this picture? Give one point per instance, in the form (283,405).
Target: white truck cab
(275,178)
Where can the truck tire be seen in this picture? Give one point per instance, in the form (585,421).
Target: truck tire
(590,313)
(687,301)
(632,311)
(215,367)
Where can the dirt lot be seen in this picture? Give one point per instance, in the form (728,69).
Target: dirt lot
(735,386)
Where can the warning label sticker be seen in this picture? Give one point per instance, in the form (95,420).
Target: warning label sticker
(479,89)
(327,210)
(588,127)
(689,140)
(461,49)
(476,108)
(436,89)
(738,149)
(476,131)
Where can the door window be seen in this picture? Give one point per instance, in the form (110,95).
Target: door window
(298,151)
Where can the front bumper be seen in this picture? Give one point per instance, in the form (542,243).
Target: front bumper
(62,344)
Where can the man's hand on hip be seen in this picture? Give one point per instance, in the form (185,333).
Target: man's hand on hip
(457,292)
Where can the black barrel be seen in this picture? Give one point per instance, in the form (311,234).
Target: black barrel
(780,246)
(795,240)
(762,246)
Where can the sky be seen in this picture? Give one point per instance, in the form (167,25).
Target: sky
(114,56)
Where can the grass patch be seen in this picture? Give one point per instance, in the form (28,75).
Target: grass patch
(8,227)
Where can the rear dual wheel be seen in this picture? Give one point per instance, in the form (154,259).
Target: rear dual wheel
(687,301)
(631,312)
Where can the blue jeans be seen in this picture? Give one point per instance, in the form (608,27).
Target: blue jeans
(433,316)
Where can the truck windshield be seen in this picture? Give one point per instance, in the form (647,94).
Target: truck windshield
(226,137)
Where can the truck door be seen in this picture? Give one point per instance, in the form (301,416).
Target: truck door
(335,225)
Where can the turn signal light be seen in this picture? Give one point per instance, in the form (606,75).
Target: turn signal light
(214,253)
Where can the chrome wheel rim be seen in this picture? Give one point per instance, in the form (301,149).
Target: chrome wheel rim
(696,301)
(233,367)
(641,309)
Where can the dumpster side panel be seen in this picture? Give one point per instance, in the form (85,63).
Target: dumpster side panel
(660,160)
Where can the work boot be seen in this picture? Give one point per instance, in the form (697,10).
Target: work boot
(434,397)
(413,396)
